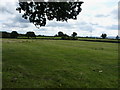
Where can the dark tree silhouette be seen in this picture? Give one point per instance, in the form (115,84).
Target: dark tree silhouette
(74,34)
(14,34)
(38,12)
(117,37)
(104,36)
(60,34)
(5,34)
(66,35)
(30,34)
(55,35)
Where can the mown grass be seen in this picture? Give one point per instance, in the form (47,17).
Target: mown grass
(59,64)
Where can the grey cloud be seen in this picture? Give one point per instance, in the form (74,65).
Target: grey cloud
(113,27)
(83,23)
(115,12)
(5,10)
(57,24)
(24,26)
(86,27)
(101,15)
(8,8)
(41,29)
(17,21)
(10,25)
(95,24)
(18,18)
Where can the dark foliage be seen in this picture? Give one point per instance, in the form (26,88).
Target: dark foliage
(117,37)
(60,34)
(5,34)
(104,36)
(38,12)
(69,38)
(14,34)
(65,37)
(31,34)
(74,34)
(22,35)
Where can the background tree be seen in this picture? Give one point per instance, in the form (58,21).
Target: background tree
(60,34)
(30,34)
(5,34)
(55,35)
(74,34)
(14,34)
(117,37)
(104,36)
(38,12)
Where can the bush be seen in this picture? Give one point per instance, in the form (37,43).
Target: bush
(69,38)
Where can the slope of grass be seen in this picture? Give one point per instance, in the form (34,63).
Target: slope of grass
(58,63)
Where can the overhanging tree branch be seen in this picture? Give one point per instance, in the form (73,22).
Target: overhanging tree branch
(38,12)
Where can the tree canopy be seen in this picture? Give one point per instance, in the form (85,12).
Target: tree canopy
(14,34)
(74,34)
(38,12)
(30,34)
(117,37)
(104,36)
(60,34)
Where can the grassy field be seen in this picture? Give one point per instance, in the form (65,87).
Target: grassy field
(59,64)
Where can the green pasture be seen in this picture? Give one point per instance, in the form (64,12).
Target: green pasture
(36,63)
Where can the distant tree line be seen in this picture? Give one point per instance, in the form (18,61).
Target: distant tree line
(67,37)
(104,36)
(15,34)
(30,34)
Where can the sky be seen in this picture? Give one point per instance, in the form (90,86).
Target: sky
(96,17)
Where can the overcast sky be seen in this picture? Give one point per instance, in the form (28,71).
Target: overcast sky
(96,17)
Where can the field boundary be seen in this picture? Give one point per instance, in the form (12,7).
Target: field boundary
(101,41)
(118,41)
